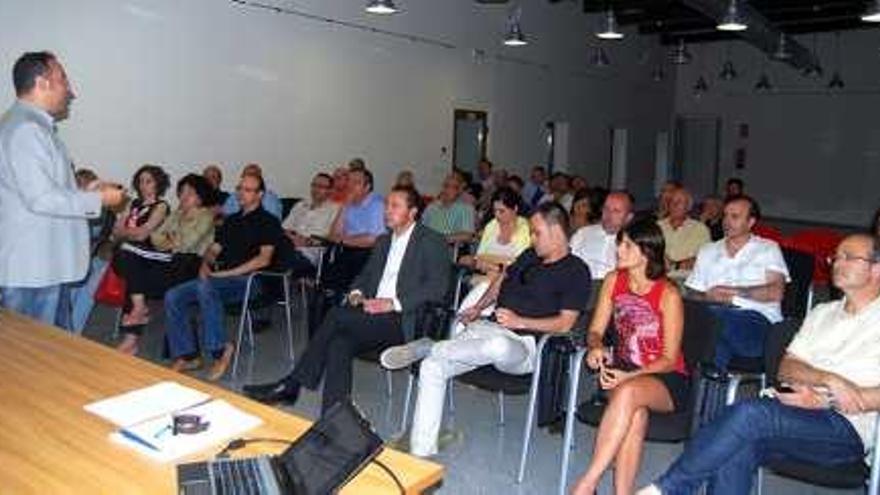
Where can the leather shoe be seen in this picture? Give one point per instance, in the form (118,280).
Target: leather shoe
(221,364)
(271,393)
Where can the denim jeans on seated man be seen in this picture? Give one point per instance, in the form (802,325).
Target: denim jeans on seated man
(40,303)
(210,295)
(727,452)
(742,333)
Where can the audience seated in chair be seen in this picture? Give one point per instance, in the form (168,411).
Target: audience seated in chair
(132,232)
(307,219)
(596,244)
(543,291)
(646,371)
(559,191)
(746,275)
(244,244)
(214,176)
(407,269)
(712,214)
(271,201)
(174,256)
(535,189)
(448,215)
(503,240)
(829,414)
(581,213)
(683,235)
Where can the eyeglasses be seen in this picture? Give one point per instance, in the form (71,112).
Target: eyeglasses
(848,257)
(246,189)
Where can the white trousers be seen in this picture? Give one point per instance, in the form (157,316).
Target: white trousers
(481,343)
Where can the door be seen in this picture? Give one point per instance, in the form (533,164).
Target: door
(469,142)
(697,153)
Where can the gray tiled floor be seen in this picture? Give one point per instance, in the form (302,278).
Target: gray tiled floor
(484,461)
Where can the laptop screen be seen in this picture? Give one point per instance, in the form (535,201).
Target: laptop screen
(332,451)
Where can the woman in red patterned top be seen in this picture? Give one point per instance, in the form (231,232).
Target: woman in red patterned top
(646,371)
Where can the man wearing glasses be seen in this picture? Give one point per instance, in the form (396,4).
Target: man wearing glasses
(308,219)
(244,244)
(746,276)
(826,415)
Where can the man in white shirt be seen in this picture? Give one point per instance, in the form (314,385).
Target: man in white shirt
(684,236)
(407,269)
(596,244)
(44,233)
(746,275)
(827,417)
(307,219)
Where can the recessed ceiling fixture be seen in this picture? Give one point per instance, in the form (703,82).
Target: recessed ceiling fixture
(781,52)
(608,30)
(872,14)
(680,55)
(382,7)
(599,58)
(728,71)
(763,84)
(732,20)
(701,86)
(515,36)
(657,74)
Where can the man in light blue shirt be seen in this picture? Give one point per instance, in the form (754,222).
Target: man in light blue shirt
(44,234)
(271,202)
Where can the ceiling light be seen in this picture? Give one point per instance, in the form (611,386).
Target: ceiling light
(728,72)
(515,36)
(814,71)
(382,7)
(600,58)
(680,55)
(609,31)
(781,52)
(657,74)
(836,81)
(732,21)
(872,14)
(701,86)
(763,84)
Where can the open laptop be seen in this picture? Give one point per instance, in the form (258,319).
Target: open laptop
(323,459)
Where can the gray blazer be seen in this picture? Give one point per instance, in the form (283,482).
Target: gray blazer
(44,234)
(423,278)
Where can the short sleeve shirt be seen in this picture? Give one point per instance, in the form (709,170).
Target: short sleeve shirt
(684,242)
(534,289)
(242,235)
(364,218)
(747,268)
(597,248)
(446,220)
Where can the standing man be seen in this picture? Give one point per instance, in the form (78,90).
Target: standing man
(44,233)
(408,268)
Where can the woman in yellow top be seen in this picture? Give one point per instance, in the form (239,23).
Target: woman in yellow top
(504,238)
(175,254)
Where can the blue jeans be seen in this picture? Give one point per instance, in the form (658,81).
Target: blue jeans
(742,334)
(40,303)
(210,294)
(82,295)
(727,452)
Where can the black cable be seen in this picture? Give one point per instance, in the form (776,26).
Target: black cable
(240,443)
(390,473)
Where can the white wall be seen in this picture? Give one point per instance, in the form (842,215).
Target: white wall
(811,155)
(187,83)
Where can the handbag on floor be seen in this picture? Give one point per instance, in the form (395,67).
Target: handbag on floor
(111,288)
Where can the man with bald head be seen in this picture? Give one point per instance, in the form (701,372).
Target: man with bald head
(684,236)
(271,202)
(827,416)
(214,176)
(596,244)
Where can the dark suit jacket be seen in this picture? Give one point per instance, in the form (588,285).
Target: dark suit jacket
(423,278)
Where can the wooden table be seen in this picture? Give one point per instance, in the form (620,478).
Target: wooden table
(50,444)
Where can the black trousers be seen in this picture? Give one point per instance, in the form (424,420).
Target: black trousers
(345,333)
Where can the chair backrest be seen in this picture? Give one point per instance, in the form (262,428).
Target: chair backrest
(800,267)
(776,342)
(699,333)
(287,204)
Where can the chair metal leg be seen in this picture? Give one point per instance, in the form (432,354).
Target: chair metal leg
(289,317)
(576,361)
(450,396)
(407,399)
(389,384)
(874,482)
(732,387)
(118,323)
(500,408)
(759,482)
(241,324)
(530,412)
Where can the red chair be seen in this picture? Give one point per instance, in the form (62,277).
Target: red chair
(821,243)
(768,232)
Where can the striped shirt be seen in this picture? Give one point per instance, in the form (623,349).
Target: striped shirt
(447,220)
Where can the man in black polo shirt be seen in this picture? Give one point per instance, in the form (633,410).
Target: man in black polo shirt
(543,291)
(244,244)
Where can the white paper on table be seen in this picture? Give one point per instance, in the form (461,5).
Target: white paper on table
(140,405)
(225,421)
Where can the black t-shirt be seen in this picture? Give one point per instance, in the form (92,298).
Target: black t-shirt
(242,234)
(537,290)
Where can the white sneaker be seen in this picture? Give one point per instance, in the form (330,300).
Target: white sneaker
(401,356)
(650,490)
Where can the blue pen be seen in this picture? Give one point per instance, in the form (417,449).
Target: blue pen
(135,438)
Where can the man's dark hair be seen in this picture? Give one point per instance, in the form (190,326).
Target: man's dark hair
(413,198)
(507,196)
(754,208)
(199,184)
(368,176)
(357,164)
(649,238)
(158,175)
(325,175)
(261,183)
(517,179)
(557,175)
(736,181)
(554,214)
(28,68)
